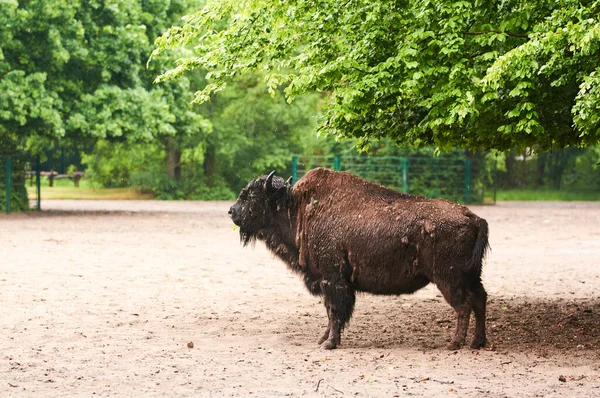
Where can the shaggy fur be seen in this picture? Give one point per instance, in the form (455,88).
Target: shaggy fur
(343,235)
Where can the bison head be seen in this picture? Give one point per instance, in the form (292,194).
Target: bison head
(258,206)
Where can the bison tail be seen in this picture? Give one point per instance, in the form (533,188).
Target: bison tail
(481,245)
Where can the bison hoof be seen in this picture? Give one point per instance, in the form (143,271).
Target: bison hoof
(453,345)
(323,338)
(328,345)
(478,343)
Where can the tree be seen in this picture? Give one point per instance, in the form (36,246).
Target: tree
(255,132)
(73,71)
(479,74)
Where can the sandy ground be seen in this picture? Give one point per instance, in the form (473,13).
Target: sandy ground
(102,299)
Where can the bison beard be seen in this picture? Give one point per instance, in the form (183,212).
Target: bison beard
(343,235)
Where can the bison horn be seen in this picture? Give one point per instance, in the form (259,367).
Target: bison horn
(269,181)
(289,181)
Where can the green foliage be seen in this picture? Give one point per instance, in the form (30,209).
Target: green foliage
(75,71)
(19,200)
(255,132)
(252,133)
(218,192)
(571,169)
(477,74)
(111,165)
(140,165)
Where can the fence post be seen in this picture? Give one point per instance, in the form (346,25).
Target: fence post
(294,169)
(405,175)
(38,182)
(8,183)
(336,163)
(467,180)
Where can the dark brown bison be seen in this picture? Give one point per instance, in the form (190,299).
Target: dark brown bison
(344,235)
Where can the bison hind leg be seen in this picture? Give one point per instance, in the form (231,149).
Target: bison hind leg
(478,299)
(458,298)
(465,296)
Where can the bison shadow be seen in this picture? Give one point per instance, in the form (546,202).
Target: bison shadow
(517,324)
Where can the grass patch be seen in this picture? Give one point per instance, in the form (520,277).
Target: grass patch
(65,189)
(546,195)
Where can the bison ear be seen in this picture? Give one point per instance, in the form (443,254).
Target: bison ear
(269,181)
(289,181)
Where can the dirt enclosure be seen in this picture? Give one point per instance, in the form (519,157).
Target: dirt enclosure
(106,299)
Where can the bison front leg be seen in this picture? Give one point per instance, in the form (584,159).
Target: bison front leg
(325,335)
(339,301)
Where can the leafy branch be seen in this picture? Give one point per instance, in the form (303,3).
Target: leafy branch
(498,32)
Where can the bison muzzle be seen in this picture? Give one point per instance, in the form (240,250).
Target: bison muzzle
(344,235)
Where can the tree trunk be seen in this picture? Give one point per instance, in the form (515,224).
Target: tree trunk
(509,163)
(173,159)
(541,169)
(524,170)
(210,157)
(562,158)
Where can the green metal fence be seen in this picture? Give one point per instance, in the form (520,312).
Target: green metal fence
(449,177)
(16,171)
(6,183)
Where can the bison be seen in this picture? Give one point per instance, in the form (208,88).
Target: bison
(344,235)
